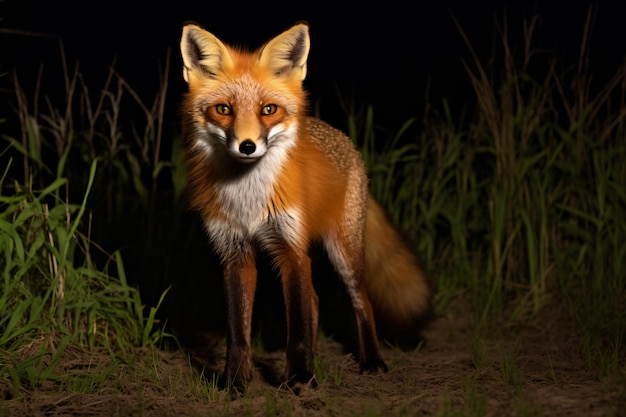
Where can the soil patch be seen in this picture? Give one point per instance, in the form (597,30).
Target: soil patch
(534,369)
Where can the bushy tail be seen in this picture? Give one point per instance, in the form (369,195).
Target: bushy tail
(395,282)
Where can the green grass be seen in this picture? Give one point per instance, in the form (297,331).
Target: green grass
(51,290)
(60,289)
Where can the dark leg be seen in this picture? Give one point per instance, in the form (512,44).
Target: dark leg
(349,264)
(301,308)
(239,286)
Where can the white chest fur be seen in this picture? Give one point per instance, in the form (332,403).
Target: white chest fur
(247,211)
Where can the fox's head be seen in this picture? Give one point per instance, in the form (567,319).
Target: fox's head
(244,102)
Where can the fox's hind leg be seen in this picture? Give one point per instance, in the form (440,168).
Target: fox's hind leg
(349,264)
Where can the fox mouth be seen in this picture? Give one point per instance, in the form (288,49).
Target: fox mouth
(247,159)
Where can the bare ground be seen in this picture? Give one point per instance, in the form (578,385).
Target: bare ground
(535,369)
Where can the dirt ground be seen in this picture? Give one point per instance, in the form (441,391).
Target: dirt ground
(531,370)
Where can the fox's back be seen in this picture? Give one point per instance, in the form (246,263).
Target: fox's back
(336,146)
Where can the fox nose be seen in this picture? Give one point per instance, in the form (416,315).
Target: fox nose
(247,147)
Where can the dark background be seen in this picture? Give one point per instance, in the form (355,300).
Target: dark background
(393,58)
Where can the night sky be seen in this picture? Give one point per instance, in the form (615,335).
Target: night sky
(389,59)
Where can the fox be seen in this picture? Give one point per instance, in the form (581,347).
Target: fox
(265,175)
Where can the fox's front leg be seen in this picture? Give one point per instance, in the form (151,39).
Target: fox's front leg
(240,277)
(301,303)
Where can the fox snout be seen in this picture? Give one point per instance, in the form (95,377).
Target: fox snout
(247,139)
(247,150)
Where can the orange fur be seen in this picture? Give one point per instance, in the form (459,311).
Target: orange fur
(306,181)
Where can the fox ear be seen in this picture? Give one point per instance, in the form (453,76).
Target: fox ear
(202,51)
(286,54)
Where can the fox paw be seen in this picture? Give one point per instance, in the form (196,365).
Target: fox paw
(236,384)
(300,380)
(373,365)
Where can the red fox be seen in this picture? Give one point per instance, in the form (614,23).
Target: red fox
(264,175)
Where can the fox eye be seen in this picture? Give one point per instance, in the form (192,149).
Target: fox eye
(223,109)
(268,109)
